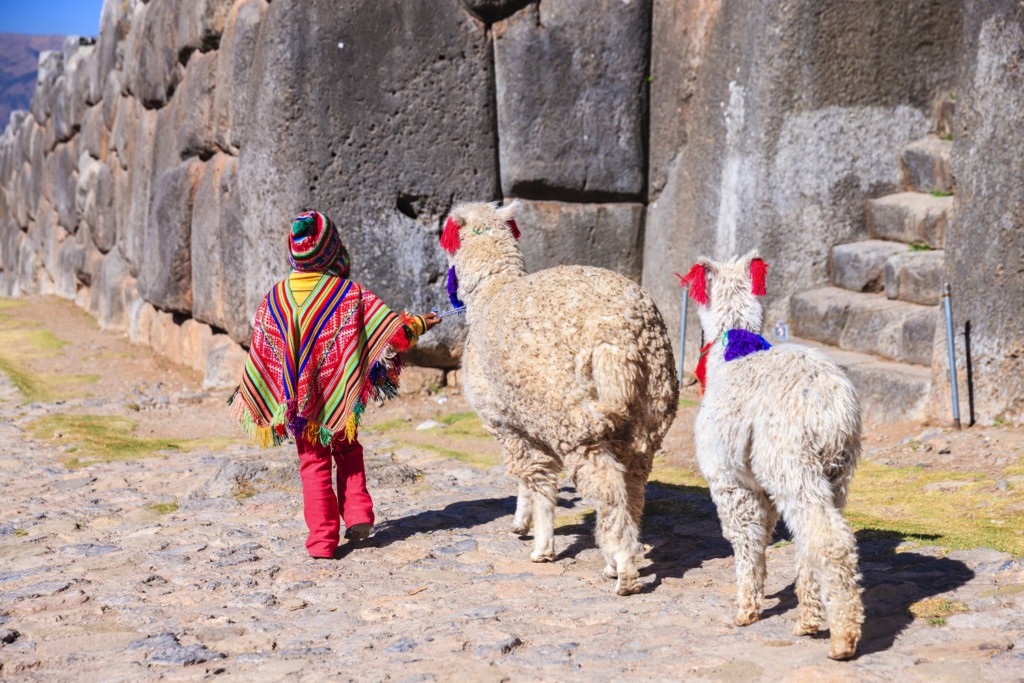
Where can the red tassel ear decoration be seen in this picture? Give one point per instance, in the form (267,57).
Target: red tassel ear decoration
(758,271)
(450,237)
(697,282)
(513,227)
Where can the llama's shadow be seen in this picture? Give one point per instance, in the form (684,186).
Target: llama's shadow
(892,582)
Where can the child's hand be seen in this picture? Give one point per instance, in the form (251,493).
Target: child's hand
(431,319)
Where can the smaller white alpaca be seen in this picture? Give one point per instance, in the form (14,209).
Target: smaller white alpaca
(778,432)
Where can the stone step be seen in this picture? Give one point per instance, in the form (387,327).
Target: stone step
(867,323)
(924,166)
(915,276)
(860,266)
(910,217)
(888,391)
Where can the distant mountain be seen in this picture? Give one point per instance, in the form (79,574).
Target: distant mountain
(19,59)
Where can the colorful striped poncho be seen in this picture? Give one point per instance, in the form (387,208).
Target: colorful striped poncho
(314,363)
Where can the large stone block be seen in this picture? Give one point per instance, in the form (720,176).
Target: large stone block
(132,189)
(388,127)
(166,276)
(200,24)
(225,363)
(777,126)
(95,134)
(234,65)
(61,182)
(986,237)
(94,199)
(860,266)
(915,276)
(78,53)
(218,250)
(151,65)
(924,165)
(193,122)
(114,29)
(571,81)
(603,235)
(51,68)
(911,217)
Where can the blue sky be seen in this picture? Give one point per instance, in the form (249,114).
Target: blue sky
(47,17)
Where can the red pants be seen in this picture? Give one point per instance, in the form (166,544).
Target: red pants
(320,503)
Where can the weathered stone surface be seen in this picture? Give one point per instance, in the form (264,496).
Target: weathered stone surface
(780,124)
(166,276)
(234,65)
(865,323)
(61,182)
(603,235)
(51,68)
(911,217)
(94,201)
(133,189)
(114,28)
(196,338)
(860,266)
(218,250)
(985,246)
(571,90)
(95,134)
(165,336)
(151,65)
(200,24)
(225,363)
(330,140)
(491,11)
(915,276)
(78,53)
(193,107)
(140,321)
(924,166)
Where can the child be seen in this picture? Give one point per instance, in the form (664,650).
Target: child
(322,346)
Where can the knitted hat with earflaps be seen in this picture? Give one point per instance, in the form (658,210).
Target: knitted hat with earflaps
(314,245)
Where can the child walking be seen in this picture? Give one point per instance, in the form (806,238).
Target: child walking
(322,346)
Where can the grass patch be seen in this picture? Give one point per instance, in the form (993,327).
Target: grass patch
(578,522)
(244,490)
(677,479)
(476,459)
(941,193)
(919,246)
(11,304)
(911,503)
(465,424)
(106,438)
(390,425)
(936,609)
(20,532)
(21,343)
(688,402)
(163,508)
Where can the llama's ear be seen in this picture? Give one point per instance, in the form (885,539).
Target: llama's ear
(506,214)
(450,236)
(758,272)
(697,281)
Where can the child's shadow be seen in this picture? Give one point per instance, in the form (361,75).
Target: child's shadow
(462,514)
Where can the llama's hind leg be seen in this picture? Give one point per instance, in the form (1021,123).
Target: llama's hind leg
(524,511)
(748,520)
(600,477)
(830,550)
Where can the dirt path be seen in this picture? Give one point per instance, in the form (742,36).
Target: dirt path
(131,549)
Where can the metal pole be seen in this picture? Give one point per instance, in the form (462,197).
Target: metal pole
(682,335)
(948,308)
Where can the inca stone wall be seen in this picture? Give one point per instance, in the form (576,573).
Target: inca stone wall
(158,169)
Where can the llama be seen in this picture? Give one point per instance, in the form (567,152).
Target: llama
(568,367)
(778,432)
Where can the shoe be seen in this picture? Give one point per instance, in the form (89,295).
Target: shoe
(358,532)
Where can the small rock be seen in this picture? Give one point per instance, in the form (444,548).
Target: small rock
(428,424)
(401,645)
(293,604)
(8,636)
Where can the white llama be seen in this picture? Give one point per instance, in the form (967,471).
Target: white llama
(778,432)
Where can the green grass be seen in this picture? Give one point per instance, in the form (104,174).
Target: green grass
(936,609)
(106,438)
(919,246)
(389,425)
(465,424)
(941,193)
(20,343)
(688,402)
(163,508)
(20,532)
